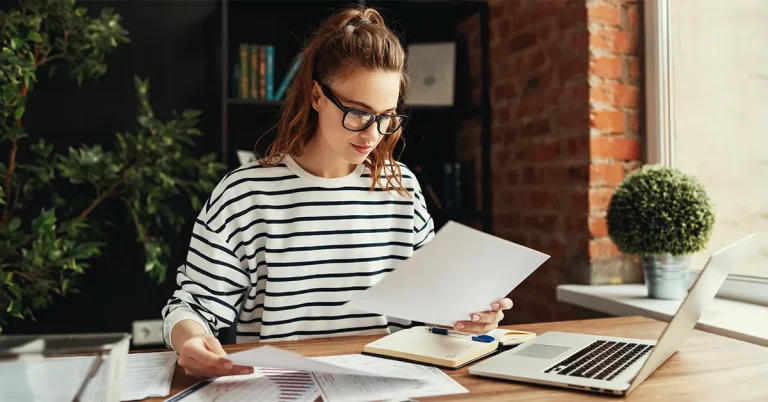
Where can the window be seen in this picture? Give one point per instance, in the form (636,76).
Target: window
(707,110)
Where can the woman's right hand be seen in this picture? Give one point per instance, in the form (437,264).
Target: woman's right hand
(202,356)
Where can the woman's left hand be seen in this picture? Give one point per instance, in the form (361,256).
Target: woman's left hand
(482,322)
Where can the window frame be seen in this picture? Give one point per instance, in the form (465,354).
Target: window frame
(660,130)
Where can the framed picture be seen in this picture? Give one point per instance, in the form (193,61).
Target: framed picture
(432,67)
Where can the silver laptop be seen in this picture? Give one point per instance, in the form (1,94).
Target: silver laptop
(607,364)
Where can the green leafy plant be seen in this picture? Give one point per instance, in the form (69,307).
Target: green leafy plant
(48,237)
(660,210)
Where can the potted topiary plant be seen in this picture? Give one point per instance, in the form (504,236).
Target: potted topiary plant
(664,216)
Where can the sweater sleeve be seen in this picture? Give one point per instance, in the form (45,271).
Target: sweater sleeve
(212,284)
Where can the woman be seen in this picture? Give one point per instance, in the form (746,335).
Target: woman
(283,243)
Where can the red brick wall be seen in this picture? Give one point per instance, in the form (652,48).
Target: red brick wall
(565,98)
(615,46)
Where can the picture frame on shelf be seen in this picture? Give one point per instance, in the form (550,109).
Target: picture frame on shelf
(432,68)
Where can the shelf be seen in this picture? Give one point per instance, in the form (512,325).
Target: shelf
(262,102)
(287,24)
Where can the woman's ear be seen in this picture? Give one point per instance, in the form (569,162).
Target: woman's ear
(315,96)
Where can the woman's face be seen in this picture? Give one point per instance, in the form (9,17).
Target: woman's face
(375,92)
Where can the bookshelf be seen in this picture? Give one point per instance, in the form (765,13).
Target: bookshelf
(258,102)
(431,131)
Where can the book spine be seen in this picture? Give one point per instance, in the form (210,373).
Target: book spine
(254,72)
(243,89)
(288,78)
(262,72)
(270,72)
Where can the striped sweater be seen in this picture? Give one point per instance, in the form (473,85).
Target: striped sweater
(280,251)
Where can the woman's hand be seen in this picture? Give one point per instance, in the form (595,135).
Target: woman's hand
(482,322)
(202,356)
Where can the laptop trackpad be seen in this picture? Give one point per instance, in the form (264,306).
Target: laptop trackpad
(541,351)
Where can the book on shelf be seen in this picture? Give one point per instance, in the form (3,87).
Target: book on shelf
(289,77)
(244,72)
(254,73)
(270,72)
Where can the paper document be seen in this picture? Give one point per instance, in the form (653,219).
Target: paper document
(273,357)
(58,378)
(264,385)
(271,384)
(460,272)
(148,375)
(425,381)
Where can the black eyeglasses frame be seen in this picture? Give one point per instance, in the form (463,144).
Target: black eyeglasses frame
(374,117)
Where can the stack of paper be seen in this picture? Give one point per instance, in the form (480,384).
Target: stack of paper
(293,377)
(148,375)
(423,381)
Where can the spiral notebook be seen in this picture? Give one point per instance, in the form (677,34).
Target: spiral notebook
(419,345)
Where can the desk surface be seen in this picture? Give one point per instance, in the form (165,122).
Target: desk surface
(707,367)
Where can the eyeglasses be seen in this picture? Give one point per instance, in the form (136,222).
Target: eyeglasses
(359,120)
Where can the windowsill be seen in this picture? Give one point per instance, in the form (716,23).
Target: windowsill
(734,319)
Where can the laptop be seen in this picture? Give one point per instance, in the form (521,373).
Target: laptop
(606,364)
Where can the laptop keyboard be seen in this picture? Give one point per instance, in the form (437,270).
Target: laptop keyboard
(601,360)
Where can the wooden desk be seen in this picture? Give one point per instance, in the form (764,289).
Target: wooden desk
(708,367)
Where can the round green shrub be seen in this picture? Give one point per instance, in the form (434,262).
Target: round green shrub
(660,210)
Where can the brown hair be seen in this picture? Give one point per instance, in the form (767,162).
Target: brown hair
(353,38)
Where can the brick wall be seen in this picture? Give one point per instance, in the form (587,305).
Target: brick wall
(614,76)
(565,97)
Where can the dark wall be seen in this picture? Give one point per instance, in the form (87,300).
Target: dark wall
(174,44)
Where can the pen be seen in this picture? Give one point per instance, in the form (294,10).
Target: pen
(477,338)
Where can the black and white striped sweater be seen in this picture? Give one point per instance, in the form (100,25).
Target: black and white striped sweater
(281,251)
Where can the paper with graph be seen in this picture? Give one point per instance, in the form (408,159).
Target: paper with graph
(276,384)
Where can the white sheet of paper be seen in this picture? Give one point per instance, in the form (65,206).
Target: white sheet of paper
(264,385)
(460,272)
(344,388)
(148,375)
(274,357)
